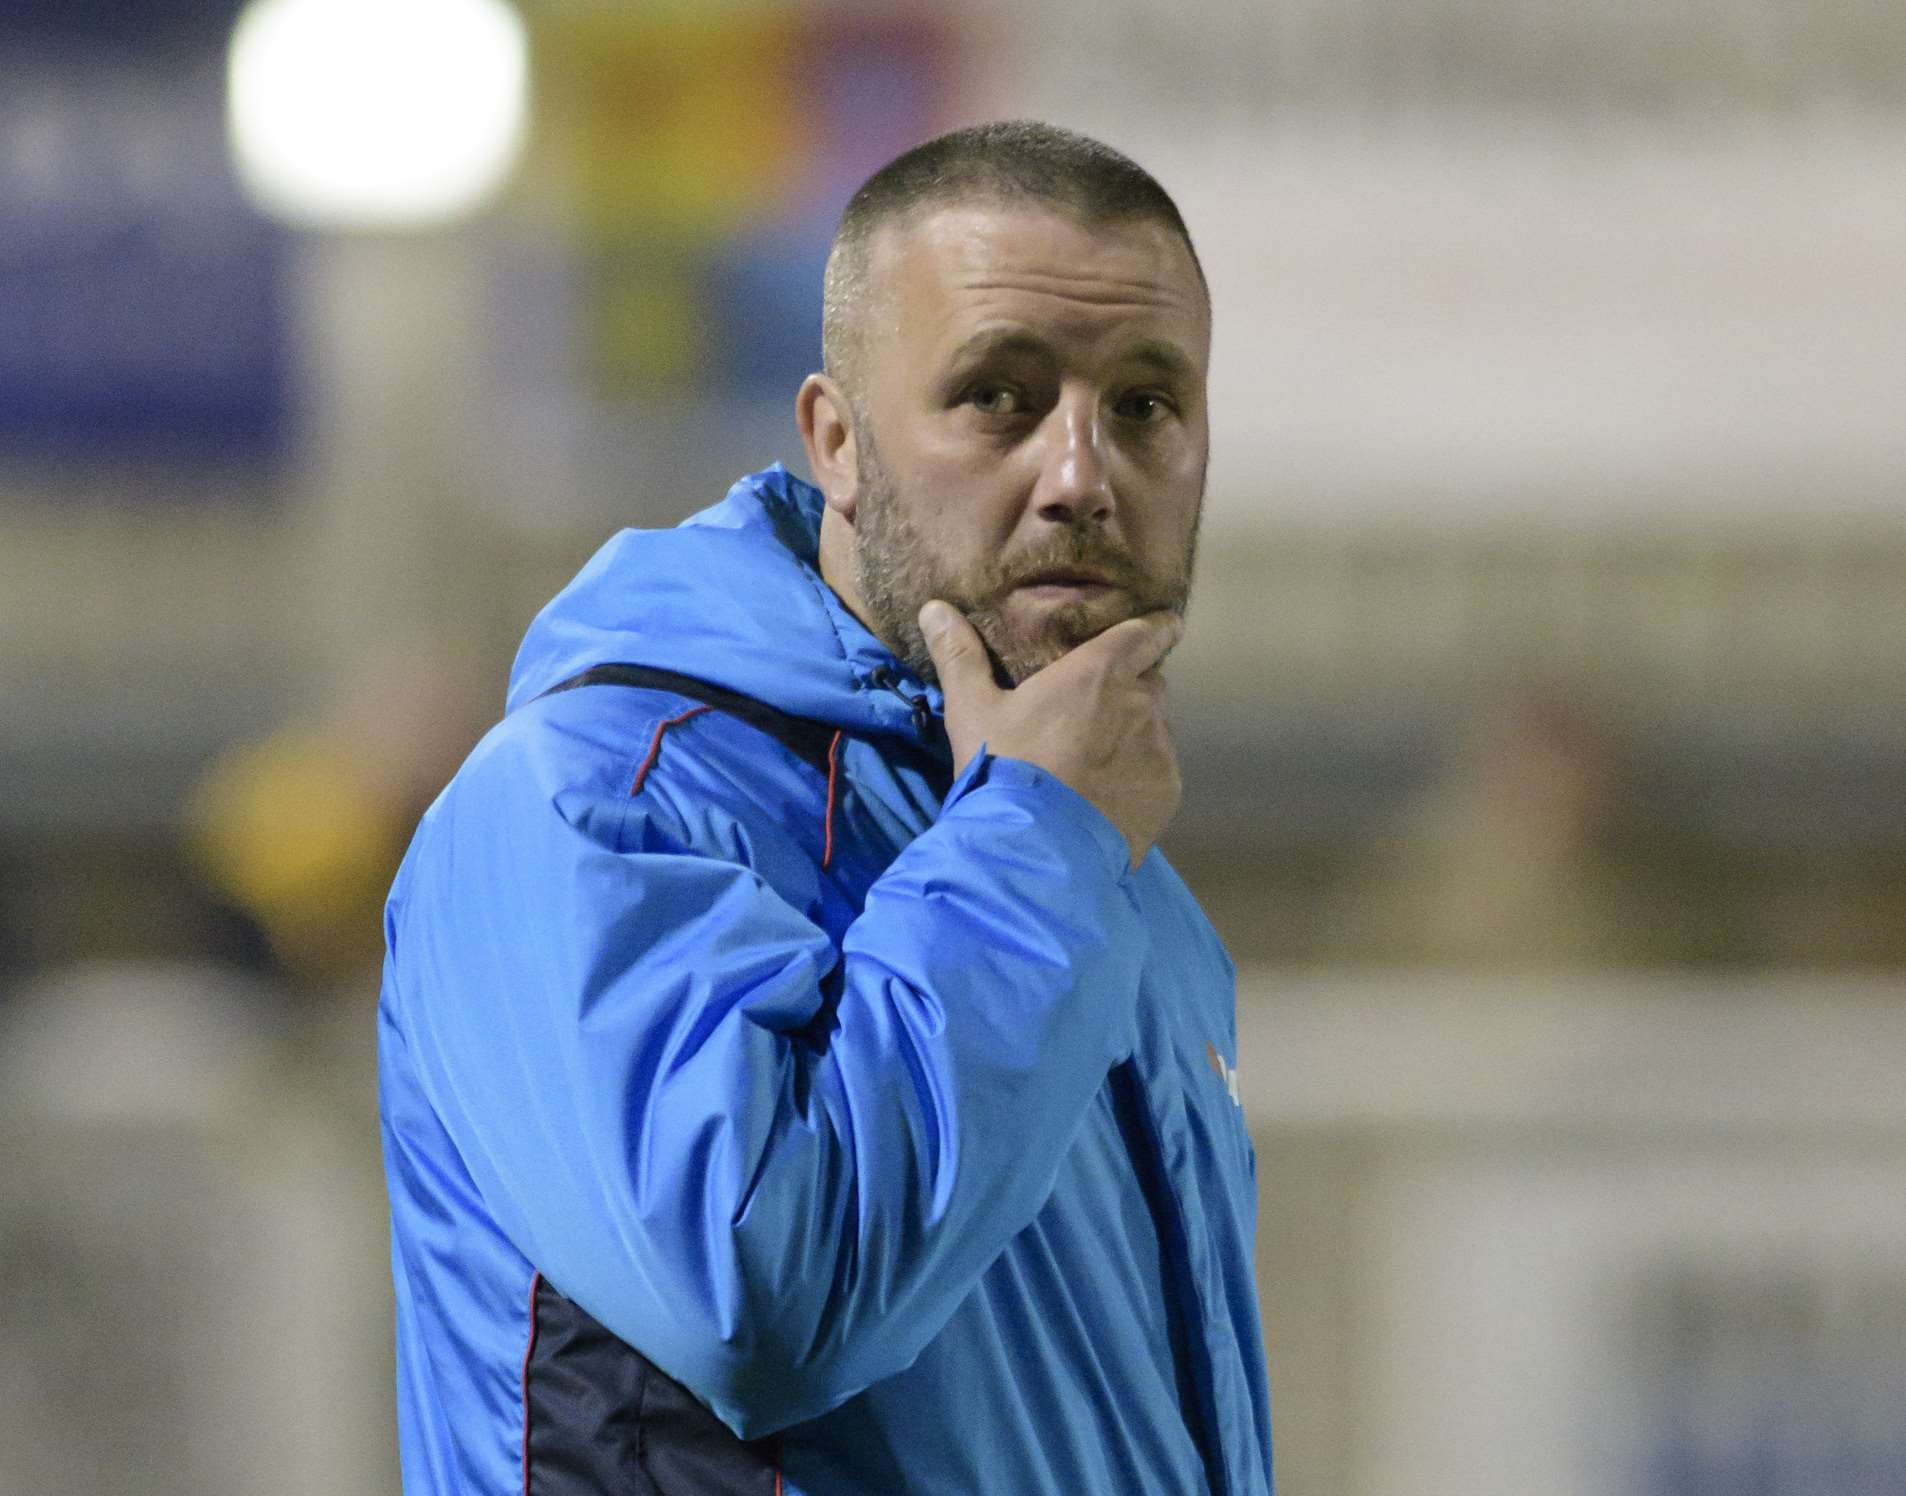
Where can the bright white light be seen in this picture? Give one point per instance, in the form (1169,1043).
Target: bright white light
(376,112)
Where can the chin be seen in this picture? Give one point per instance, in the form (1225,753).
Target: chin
(1024,651)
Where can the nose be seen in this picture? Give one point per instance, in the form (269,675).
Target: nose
(1075,484)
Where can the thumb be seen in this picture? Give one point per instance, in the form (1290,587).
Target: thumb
(958,655)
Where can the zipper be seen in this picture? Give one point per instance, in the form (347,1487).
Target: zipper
(1197,1398)
(917,705)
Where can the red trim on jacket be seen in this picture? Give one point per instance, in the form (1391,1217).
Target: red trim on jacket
(827,850)
(655,744)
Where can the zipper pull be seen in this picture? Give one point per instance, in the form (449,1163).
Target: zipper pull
(917,705)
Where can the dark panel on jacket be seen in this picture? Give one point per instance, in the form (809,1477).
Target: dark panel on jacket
(603,1421)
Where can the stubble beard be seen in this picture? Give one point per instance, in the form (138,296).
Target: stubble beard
(897,574)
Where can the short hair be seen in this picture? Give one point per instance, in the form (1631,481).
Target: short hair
(1003,162)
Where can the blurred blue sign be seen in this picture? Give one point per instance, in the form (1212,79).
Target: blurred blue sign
(142,302)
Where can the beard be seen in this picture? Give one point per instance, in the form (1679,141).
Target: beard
(897,574)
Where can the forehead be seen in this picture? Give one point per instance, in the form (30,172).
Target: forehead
(947,273)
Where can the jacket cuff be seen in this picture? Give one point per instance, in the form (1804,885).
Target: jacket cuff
(1048,801)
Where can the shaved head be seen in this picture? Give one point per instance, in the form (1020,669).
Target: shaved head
(1008,163)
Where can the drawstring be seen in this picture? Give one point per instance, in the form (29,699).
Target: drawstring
(922,713)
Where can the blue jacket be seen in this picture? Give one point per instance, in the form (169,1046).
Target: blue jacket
(767,1113)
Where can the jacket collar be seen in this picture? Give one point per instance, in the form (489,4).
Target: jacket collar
(733,596)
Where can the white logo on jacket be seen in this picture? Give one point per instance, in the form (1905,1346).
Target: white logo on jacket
(1227,1074)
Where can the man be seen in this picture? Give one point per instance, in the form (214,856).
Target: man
(800,1072)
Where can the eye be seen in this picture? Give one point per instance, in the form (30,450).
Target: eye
(1143,406)
(993,399)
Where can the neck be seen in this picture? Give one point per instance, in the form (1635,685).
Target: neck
(837,567)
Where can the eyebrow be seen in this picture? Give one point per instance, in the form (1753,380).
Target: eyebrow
(1166,358)
(989,341)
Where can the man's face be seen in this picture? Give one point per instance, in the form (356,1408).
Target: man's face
(1030,430)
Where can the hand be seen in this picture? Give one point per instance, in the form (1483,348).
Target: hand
(1094,717)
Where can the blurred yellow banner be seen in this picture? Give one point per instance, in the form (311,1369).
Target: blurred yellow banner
(674,119)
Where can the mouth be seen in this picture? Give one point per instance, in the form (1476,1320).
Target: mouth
(1066,583)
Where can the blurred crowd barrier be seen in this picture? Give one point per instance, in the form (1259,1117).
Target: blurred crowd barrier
(192,1232)
(1543,709)
(1637,1234)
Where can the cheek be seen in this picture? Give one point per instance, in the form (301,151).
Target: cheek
(982,475)
(1162,533)
(1169,462)
(939,548)
(967,523)
(962,554)
(1171,492)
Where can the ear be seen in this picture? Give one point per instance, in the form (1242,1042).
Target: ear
(827,431)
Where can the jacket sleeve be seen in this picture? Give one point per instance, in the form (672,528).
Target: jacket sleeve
(773,1168)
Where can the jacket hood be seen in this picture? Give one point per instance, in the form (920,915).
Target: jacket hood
(732,596)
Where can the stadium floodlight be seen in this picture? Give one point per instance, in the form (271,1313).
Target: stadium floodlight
(376,113)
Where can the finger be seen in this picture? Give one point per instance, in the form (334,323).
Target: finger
(958,654)
(1141,644)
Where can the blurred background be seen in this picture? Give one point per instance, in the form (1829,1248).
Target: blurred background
(1543,711)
